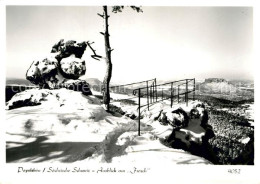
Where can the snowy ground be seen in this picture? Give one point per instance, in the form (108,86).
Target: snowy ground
(75,128)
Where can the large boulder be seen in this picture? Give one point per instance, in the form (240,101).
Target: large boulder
(41,71)
(72,67)
(64,49)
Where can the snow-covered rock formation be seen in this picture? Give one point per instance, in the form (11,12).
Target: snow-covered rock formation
(63,65)
(188,126)
(189,129)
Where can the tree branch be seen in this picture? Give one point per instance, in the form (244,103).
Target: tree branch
(95,56)
(101,15)
(136,8)
(104,33)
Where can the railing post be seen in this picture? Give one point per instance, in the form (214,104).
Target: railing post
(162,94)
(178,93)
(147,90)
(186,93)
(139,113)
(150,89)
(155,90)
(171,95)
(194,89)
(152,92)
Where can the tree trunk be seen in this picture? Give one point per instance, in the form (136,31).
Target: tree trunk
(108,74)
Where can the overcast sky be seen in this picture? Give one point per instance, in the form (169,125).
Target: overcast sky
(163,42)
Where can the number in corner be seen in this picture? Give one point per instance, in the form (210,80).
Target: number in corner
(234,171)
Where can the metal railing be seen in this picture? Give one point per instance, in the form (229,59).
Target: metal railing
(158,93)
(128,88)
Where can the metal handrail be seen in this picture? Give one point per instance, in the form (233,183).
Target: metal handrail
(152,92)
(131,83)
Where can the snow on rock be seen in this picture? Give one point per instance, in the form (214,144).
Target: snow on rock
(73,67)
(50,98)
(43,70)
(36,96)
(29,98)
(192,133)
(170,124)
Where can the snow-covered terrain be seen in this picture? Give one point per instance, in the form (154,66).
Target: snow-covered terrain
(69,127)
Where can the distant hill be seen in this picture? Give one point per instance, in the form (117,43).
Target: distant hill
(16,81)
(223,88)
(94,81)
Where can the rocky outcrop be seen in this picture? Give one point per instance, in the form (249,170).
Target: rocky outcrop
(65,49)
(190,131)
(189,128)
(72,67)
(221,88)
(61,67)
(217,86)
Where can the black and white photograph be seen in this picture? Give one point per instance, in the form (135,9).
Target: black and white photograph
(130,89)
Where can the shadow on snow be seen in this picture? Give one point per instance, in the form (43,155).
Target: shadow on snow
(43,151)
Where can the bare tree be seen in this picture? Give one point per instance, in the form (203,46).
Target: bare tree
(108,50)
